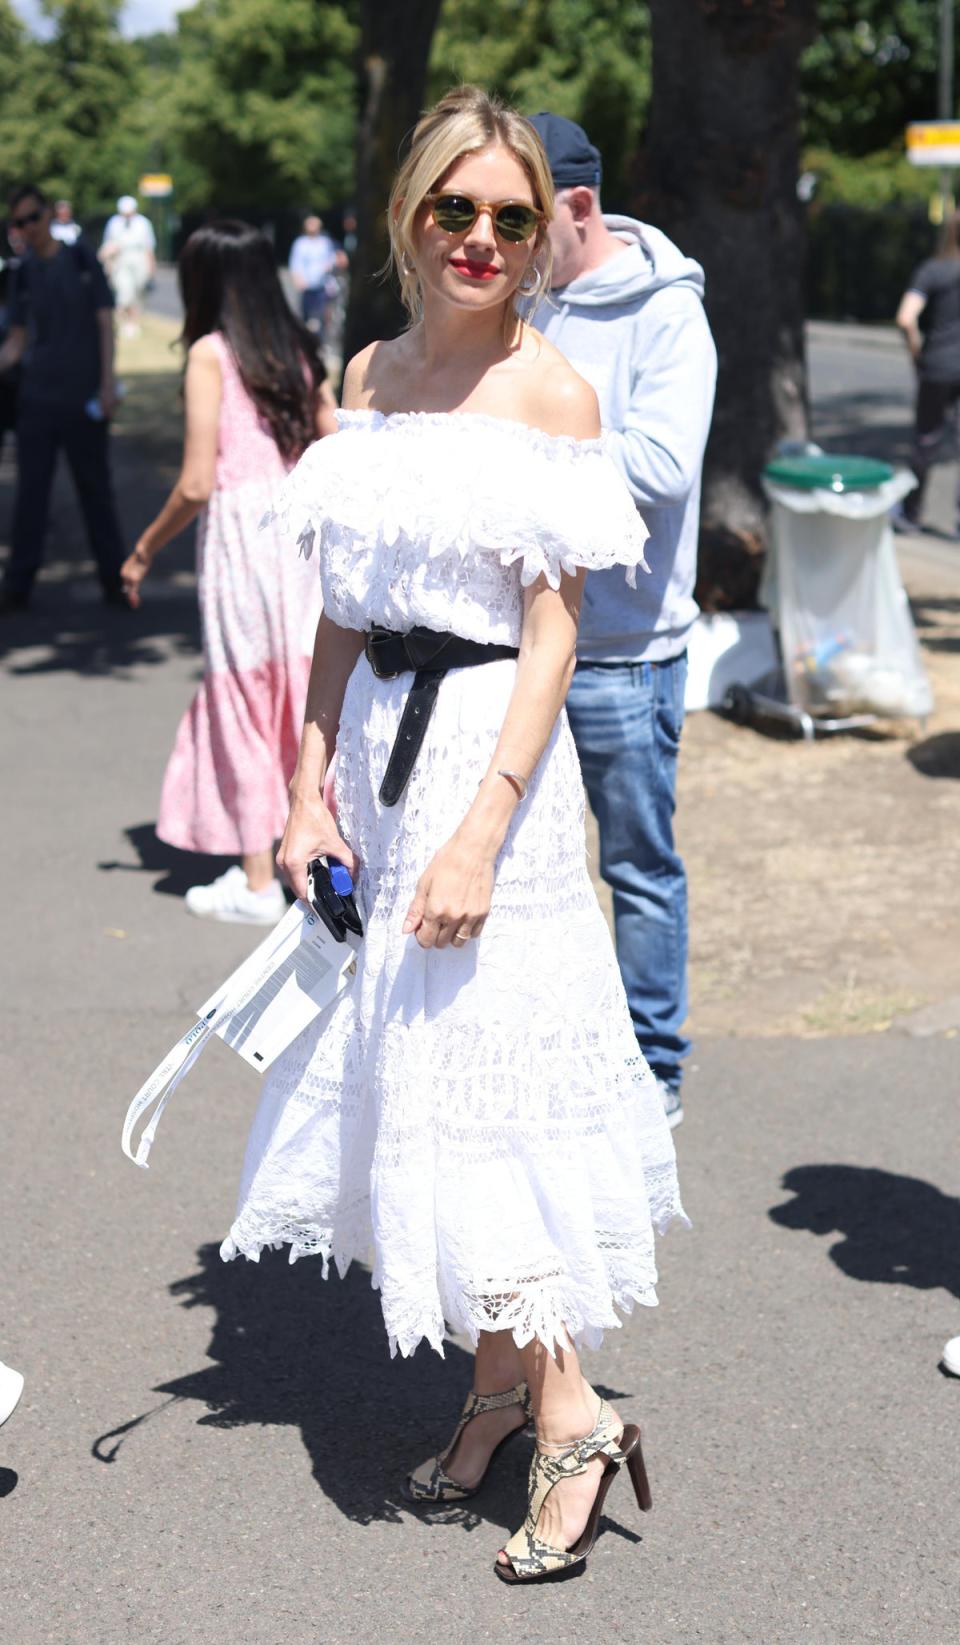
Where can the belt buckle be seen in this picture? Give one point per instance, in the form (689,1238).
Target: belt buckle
(370,649)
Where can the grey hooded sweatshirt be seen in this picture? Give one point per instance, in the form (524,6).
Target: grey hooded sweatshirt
(636,330)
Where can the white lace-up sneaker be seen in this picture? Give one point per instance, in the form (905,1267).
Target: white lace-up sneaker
(230,898)
(950,1358)
(11,1387)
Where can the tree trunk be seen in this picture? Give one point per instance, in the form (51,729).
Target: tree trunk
(720,178)
(396,36)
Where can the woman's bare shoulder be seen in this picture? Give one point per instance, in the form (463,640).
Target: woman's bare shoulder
(205,351)
(562,402)
(368,374)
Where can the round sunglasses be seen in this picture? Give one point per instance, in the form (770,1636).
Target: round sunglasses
(513,220)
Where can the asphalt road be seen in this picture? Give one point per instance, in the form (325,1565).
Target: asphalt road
(208,1454)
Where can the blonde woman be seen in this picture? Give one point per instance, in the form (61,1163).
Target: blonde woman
(474,1114)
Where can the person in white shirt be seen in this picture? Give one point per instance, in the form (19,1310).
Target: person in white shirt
(128,253)
(314,261)
(63,227)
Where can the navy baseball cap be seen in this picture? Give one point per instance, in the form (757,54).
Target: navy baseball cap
(573,160)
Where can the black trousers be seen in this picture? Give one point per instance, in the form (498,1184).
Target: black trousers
(936,426)
(85,443)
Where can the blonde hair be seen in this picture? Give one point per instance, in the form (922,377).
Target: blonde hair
(464,121)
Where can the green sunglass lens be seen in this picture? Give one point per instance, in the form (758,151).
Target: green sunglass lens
(453,214)
(516,222)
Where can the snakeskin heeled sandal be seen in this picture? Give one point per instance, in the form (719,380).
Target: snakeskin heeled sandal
(430,1483)
(532,1560)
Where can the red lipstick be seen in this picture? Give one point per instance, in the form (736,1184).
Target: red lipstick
(469,270)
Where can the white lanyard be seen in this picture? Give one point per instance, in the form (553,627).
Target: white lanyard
(271,968)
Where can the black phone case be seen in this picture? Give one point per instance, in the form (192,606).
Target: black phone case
(339,914)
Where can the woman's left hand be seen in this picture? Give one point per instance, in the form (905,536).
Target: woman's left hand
(132,573)
(453,895)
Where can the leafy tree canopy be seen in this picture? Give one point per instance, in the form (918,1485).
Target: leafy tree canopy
(264,101)
(254,103)
(872,69)
(586,59)
(64,112)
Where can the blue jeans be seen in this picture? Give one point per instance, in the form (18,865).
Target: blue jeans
(626,720)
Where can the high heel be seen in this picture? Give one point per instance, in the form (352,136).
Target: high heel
(430,1483)
(532,1560)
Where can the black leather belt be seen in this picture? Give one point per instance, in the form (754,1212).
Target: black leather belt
(427,656)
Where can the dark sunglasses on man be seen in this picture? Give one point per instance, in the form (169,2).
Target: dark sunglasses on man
(27,218)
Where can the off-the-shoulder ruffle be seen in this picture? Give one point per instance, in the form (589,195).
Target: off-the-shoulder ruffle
(459,483)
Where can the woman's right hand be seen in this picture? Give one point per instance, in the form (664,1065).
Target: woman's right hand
(311,832)
(132,573)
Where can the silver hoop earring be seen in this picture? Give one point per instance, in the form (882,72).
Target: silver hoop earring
(406,267)
(531,291)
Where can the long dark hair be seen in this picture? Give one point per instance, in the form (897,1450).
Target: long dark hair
(229,283)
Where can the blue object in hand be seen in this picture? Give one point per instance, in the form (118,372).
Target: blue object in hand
(340,878)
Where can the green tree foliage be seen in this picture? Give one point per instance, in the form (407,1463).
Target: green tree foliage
(871,69)
(64,118)
(871,181)
(586,59)
(264,105)
(255,102)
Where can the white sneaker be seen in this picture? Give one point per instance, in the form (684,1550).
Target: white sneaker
(672,1103)
(950,1358)
(230,898)
(11,1387)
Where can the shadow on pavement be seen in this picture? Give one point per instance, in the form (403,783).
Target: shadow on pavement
(8,1481)
(937,756)
(894,1230)
(68,629)
(927,609)
(291,1349)
(838,425)
(178,870)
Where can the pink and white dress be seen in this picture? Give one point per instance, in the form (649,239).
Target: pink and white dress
(225,790)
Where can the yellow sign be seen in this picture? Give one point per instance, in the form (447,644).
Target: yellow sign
(156,185)
(934,143)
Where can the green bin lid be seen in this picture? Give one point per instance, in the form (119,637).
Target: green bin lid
(831,472)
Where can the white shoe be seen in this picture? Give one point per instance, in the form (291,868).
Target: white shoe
(230,898)
(950,1358)
(672,1104)
(11,1387)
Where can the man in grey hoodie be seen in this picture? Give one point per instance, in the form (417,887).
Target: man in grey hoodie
(626,308)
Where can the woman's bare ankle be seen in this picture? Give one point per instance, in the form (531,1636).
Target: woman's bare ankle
(563,1423)
(497,1366)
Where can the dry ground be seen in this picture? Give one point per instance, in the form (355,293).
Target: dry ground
(823,877)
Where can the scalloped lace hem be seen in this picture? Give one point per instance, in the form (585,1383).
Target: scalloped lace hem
(547,1310)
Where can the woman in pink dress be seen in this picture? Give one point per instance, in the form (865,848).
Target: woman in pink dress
(255,397)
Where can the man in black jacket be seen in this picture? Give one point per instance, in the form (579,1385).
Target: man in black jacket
(61,330)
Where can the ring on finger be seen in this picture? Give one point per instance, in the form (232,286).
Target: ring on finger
(460,938)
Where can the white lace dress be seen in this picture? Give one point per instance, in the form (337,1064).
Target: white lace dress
(476,1122)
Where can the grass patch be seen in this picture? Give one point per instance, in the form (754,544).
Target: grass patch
(856,1012)
(151,413)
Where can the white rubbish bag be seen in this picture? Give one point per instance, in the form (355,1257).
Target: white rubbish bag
(833,588)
